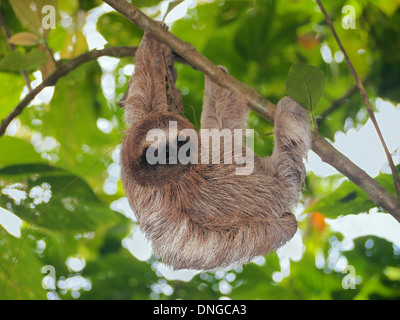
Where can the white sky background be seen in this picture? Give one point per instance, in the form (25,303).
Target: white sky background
(362,147)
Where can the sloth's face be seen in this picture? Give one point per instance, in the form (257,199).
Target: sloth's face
(157,149)
(166,152)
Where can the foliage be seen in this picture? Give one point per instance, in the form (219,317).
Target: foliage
(59,161)
(306,85)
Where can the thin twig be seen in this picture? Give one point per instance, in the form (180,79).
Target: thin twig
(364,95)
(265,108)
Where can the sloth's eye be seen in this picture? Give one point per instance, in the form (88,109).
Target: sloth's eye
(169,150)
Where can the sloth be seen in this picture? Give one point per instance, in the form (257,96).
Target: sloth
(205,216)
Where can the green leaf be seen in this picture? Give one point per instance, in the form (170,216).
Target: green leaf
(11,87)
(145,3)
(378,251)
(28,14)
(386,180)
(17,60)
(118,276)
(26,279)
(313,283)
(305,84)
(252,39)
(61,200)
(57,38)
(74,45)
(349,199)
(70,7)
(15,151)
(71,119)
(258,280)
(346,199)
(118,31)
(88,4)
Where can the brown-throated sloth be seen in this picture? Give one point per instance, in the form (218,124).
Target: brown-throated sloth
(204,216)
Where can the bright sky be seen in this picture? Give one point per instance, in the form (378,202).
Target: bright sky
(363,146)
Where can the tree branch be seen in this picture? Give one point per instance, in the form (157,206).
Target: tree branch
(61,71)
(364,95)
(266,109)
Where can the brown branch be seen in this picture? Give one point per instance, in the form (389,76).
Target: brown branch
(364,95)
(61,71)
(266,109)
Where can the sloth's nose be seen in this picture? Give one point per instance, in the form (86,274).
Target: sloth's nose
(172,150)
(169,149)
